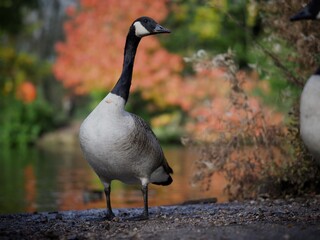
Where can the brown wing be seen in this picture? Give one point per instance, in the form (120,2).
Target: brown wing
(150,137)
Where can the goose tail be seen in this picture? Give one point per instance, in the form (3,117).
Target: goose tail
(165,183)
(161,176)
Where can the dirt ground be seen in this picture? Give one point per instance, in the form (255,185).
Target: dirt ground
(261,219)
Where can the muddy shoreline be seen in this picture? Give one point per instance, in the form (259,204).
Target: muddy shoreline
(262,219)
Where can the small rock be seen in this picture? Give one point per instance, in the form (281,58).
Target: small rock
(286,236)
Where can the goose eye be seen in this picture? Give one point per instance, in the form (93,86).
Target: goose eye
(145,20)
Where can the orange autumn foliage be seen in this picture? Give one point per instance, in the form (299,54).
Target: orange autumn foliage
(234,132)
(215,107)
(26,92)
(91,56)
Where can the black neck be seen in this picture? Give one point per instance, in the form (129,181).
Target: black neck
(317,72)
(314,7)
(122,87)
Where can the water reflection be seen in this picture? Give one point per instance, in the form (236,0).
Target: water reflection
(33,179)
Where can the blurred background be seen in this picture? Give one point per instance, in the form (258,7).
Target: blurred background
(221,93)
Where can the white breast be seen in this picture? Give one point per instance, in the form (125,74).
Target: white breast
(106,122)
(101,135)
(310,116)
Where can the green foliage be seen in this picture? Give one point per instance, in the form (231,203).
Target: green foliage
(25,113)
(283,93)
(171,131)
(21,122)
(211,25)
(17,67)
(11,14)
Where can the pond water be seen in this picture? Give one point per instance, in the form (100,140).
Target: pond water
(35,180)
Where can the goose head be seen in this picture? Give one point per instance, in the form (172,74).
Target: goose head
(310,12)
(145,26)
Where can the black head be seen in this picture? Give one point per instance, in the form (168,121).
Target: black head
(311,11)
(145,26)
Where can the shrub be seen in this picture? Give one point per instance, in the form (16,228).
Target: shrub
(251,145)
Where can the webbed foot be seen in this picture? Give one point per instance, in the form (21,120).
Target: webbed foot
(109,216)
(138,218)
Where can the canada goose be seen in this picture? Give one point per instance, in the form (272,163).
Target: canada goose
(310,115)
(120,145)
(310,97)
(310,11)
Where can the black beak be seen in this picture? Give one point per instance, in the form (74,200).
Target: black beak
(301,15)
(160,29)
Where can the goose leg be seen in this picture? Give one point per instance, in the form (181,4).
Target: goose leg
(145,214)
(144,190)
(107,191)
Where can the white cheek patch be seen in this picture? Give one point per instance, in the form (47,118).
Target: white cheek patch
(318,16)
(140,29)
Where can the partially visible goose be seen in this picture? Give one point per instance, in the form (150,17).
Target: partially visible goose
(120,145)
(310,11)
(310,115)
(310,96)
